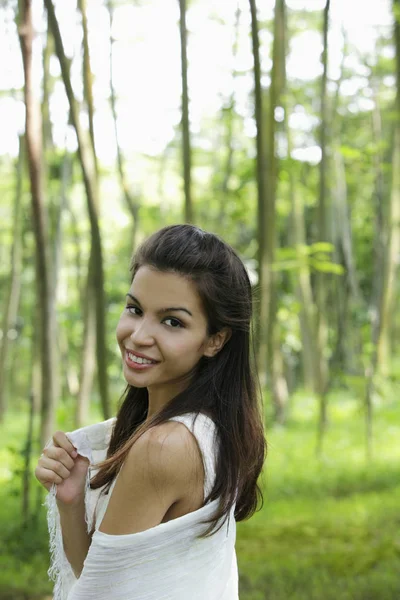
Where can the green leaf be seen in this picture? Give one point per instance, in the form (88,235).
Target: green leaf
(322,247)
(327,267)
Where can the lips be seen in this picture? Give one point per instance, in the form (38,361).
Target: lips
(140,355)
(137,362)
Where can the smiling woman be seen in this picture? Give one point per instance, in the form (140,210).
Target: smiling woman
(161,346)
(180,462)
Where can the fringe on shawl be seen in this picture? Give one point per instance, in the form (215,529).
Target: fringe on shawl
(60,570)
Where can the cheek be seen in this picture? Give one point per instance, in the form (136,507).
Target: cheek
(185,347)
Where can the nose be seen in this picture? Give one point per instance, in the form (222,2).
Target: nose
(142,333)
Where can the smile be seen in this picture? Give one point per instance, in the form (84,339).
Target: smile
(138,362)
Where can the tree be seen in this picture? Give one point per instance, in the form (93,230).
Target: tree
(87,364)
(322,327)
(86,159)
(88,78)
(274,354)
(392,250)
(264,226)
(33,136)
(186,148)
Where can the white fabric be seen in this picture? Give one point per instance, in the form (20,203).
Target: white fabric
(166,562)
(91,442)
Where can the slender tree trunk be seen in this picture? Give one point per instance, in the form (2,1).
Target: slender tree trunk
(55,208)
(34,151)
(88,78)
(14,286)
(47,131)
(322,367)
(88,166)
(275,364)
(263,212)
(392,251)
(77,245)
(87,365)
(186,149)
(132,202)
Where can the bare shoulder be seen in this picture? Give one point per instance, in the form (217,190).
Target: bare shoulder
(167,449)
(160,468)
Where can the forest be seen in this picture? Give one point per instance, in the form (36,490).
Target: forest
(276,125)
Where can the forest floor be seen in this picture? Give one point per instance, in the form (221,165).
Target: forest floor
(329,528)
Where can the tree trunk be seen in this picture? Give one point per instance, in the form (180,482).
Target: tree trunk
(14,286)
(392,250)
(186,149)
(87,365)
(33,135)
(322,331)
(275,364)
(88,78)
(77,245)
(88,166)
(47,88)
(263,234)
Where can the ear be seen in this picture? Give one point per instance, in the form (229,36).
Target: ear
(216,342)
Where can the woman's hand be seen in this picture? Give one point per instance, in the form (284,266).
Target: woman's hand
(62,465)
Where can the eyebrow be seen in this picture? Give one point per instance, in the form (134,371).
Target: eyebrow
(164,310)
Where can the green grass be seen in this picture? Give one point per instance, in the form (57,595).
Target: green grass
(329,528)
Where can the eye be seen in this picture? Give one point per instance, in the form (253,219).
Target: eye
(130,308)
(174,323)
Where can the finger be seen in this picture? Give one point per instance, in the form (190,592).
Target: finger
(61,440)
(47,476)
(56,466)
(59,455)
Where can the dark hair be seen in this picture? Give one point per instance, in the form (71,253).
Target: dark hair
(224,387)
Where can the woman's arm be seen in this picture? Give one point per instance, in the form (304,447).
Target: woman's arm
(60,464)
(76,539)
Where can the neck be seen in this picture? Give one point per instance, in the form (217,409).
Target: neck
(160,396)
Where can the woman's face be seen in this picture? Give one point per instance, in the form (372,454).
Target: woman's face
(162,332)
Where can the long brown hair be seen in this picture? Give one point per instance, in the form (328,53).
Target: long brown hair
(224,387)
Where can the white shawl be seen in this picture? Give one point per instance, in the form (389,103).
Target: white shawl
(166,562)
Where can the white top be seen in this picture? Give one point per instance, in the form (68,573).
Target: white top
(166,562)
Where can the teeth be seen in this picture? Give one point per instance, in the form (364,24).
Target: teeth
(139,360)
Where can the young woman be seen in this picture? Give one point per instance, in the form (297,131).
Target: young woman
(180,462)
